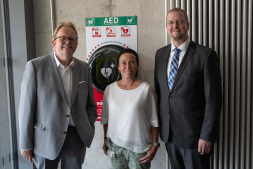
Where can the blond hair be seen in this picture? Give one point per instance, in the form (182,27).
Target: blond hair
(178,10)
(63,24)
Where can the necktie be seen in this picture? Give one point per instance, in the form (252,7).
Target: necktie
(173,68)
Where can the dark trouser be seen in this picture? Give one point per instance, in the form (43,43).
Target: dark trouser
(186,158)
(71,155)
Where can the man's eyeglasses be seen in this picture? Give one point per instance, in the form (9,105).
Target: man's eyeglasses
(180,22)
(65,39)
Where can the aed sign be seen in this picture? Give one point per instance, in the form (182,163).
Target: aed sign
(111,21)
(105,38)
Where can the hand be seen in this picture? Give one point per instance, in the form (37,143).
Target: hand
(204,147)
(27,154)
(150,155)
(104,148)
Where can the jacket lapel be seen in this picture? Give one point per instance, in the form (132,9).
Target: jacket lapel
(75,81)
(52,68)
(165,64)
(189,53)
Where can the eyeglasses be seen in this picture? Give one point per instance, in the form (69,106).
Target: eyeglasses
(65,39)
(180,22)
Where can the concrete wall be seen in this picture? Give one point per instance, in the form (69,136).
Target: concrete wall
(151,31)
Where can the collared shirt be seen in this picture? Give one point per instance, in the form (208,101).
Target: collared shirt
(66,77)
(183,49)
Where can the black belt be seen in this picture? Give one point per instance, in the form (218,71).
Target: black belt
(72,127)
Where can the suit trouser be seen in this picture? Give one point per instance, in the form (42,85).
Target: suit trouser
(181,158)
(71,155)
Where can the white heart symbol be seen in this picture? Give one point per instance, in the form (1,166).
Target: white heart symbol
(106,72)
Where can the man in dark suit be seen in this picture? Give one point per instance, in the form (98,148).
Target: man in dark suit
(57,109)
(188,86)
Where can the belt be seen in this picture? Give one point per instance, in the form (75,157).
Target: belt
(72,127)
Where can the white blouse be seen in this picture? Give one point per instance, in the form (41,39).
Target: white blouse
(129,114)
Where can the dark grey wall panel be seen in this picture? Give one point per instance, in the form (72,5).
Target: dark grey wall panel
(226,26)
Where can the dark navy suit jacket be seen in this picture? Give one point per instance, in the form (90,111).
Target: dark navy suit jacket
(192,108)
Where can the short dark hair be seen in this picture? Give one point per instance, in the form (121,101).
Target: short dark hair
(128,50)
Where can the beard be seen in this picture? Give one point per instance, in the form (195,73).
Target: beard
(178,36)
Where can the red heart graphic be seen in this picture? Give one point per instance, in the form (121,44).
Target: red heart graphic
(125,30)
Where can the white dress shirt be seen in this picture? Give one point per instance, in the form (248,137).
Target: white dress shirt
(66,77)
(183,49)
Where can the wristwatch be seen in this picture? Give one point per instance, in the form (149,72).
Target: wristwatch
(156,144)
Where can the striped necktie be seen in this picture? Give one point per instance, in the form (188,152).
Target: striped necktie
(173,67)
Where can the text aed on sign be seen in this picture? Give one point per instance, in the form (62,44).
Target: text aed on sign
(111,20)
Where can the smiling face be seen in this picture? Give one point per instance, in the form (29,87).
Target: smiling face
(178,31)
(65,50)
(128,65)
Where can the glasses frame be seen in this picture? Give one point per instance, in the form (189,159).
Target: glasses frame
(65,39)
(179,22)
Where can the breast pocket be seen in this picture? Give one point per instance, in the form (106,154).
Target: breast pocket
(82,89)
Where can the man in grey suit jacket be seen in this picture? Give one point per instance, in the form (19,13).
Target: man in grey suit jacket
(189,96)
(57,109)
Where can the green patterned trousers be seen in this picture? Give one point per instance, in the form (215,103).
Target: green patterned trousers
(126,159)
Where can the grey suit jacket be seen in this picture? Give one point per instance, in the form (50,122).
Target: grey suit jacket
(191,110)
(43,109)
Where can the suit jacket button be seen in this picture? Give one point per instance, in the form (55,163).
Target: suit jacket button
(64,132)
(68,115)
(170,97)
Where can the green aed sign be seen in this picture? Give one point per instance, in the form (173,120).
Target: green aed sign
(111,21)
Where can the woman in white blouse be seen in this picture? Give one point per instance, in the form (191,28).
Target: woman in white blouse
(129,117)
